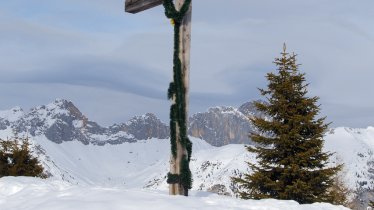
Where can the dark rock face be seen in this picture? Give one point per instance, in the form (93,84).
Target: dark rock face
(4,124)
(221,126)
(224,125)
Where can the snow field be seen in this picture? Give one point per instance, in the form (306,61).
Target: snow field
(25,193)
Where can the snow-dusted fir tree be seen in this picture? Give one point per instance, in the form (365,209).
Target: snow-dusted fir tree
(16,159)
(291,163)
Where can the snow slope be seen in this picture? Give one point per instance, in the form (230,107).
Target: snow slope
(354,148)
(143,164)
(23,193)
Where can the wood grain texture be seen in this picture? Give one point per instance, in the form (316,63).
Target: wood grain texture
(135,6)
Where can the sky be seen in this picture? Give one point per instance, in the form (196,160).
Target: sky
(114,65)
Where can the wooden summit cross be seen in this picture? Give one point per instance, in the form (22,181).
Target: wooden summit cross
(178,91)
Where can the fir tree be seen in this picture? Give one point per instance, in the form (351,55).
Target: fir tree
(291,163)
(5,154)
(16,159)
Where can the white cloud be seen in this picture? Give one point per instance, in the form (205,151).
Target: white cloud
(95,45)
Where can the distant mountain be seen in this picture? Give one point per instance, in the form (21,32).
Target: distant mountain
(62,121)
(143,127)
(224,125)
(221,126)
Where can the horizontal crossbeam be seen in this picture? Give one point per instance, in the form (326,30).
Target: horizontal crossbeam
(135,6)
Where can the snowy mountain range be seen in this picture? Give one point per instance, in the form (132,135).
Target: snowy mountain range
(135,154)
(62,121)
(72,147)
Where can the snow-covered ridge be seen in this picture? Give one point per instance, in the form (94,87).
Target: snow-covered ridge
(13,114)
(226,110)
(62,121)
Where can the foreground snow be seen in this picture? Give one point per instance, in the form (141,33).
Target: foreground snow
(24,193)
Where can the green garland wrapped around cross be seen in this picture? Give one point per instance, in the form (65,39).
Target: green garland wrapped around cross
(179,178)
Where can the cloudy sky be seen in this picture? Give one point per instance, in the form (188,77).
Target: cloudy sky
(114,65)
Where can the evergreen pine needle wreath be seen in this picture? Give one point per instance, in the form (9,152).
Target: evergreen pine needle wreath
(177,92)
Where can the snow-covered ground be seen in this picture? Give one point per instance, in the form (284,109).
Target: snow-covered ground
(22,193)
(143,164)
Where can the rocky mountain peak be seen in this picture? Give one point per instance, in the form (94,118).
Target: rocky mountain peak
(60,107)
(16,109)
(61,121)
(249,109)
(145,127)
(63,103)
(223,110)
(144,119)
(221,125)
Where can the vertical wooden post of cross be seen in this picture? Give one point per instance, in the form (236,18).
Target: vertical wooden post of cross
(135,6)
